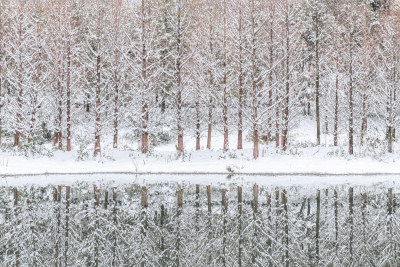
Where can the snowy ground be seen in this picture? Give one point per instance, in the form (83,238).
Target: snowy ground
(302,158)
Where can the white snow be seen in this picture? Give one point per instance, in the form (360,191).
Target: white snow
(303,158)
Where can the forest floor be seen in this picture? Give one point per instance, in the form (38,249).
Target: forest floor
(303,158)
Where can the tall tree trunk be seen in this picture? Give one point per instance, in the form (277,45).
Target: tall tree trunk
(35,89)
(197,104)
(68,84)
(287,87)
(17,134)
(240,104)
(277,124)
(209,129)
(224,85)
(179,101)
(336,122)
(116,14)
(270,78)
(351,101)
(254,83)
(58,130)
(364,117)
(1,69)
(211,80)
(317,79)
(97,135)
(145,105)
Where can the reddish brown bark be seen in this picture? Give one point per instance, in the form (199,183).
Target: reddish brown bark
(1,68)
(179,101)
(197,104)
(17,134)
(351,101)
(240,104)
(58,130)
(336,120)
(254,83)
(145,106)
(287,87)
(116,16)
(211,78)
(97,133)
(224,85)
(68,70)
(270,78)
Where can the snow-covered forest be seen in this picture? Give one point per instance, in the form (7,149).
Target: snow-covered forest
(89,72)
(196,225)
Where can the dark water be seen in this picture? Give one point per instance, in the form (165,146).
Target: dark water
(166,225)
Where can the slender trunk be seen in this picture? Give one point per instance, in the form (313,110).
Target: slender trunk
(58,131)
(211,83)
(270,79)
(336,122)
(117,8)
(351,103)
(224,85)
(145,105)
(97,148)
(18,133)
(68,84)
(34,100)
(1,70)
(287,87)
(254,83)
(209,130)
(317,80)
(197,104)
(277,124)
(179,101)
(364,118)
(240,104)
(116,100)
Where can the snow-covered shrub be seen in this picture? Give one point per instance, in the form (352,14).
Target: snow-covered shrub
(34,148)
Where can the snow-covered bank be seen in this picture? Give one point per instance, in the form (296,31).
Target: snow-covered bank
(200,162)
(302,158)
